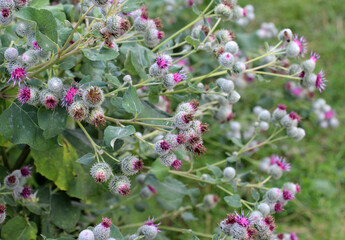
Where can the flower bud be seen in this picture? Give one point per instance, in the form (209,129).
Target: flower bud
(275,171)
(264,115)
(30,58)
(102,230)
(239,68)
(279,112)
(11,54)
(2,213)
(300,134)
(290,120)
(237,13)
(152,37)
(11,181)
(225,85)
(127,79)
(189,107)
(273,194)
(97,117)
(162,147)
(264,126)
(93,96)
(147,192)
(55,85)
(229,173)
(149,230)
(285,35)
(140,179)
(183,120)
(131,165)
(175,140)
(100,172)
(234,97)
(224,11)
(141,23)
(210,201)
(78,111)
(48,99)
(156,71)
(120,185)
(86,235)
(226,60)
(231,47)
(224,36)
(23,29)
(264,208)
(22,192)
(168,159)
(172,79)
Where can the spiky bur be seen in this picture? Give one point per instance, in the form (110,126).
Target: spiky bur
(22,193)
(48,99)
(11,181)
(2,213)
(18,75)
(131,165)
(93,96)
(100,172)
(189,107)
(297,47)
(97,117)
(226,60)
(120,185)
(100,3)
(290,120)
(279,112)
(150,230)
(281,163)
(25,171)
(86,234)
(210,201)
(162,147)
(55,85)
(183,120)
(102,230)
(11,54)
(78,111)
(152,37)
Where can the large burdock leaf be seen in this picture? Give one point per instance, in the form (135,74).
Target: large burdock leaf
(62,213)
(19,125)
(111,134)
(52,122)
(131,102)
(45,25)
(105,54)
(19,228)
(60,165)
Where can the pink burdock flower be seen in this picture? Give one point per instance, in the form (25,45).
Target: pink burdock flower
(165,145)
(242,219)
(294,116)
(293,236)
(67,100)
(50,101)
(18,75)
(297,91)
(150,222)
(124,190)
(25,171)
(298,188)
(26,192)
(329,114)
(282,107)
(176,164)
(5,12)
(314,56)
(2,208)
(302,44)
(320,81)
(287,195)
(179,76)
(35,45)
(160,35)
(106,222)
(278,207)
(152,189)
(163,62)
(281,162)
(24,94)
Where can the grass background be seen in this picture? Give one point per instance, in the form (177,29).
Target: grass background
(318,212)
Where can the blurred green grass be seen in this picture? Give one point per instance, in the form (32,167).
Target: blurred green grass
(318,212)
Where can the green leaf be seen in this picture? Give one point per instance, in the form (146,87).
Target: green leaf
(113,80)
(151,111)
(188,217)
(131,5)
(159,170)
(233,201)
(39,3)
(192,41)
(68,63)
(19,125)
(52,122)
(154,93)
(111,134)
(19,228)
(115,233)
(105,54)
(62,213)
(143,55)
(215,170)
(45,24)
(195,9)
(237,142)
(59,165)
(255,194)
(131,103)
(88,159)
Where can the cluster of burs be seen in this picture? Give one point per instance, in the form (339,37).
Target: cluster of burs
(8,7)
(117,24)
(103,231)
